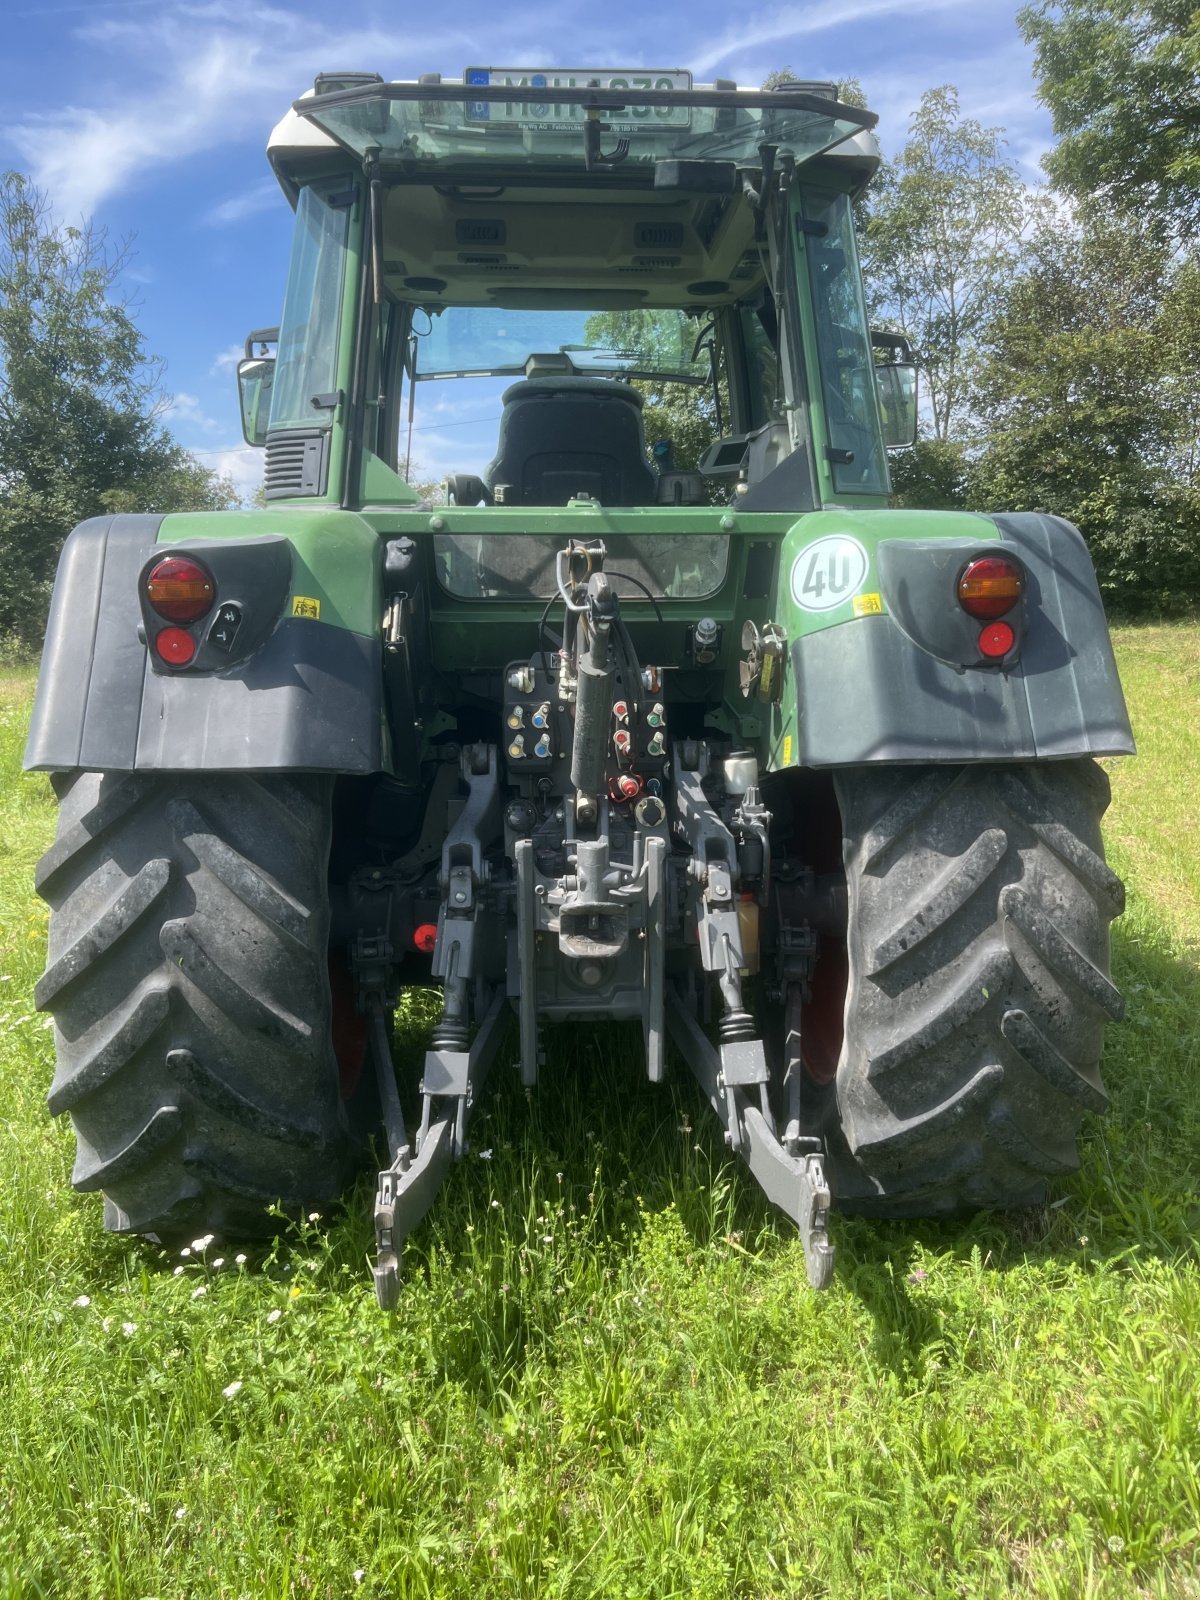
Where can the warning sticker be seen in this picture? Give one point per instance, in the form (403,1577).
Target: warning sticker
(303,606)
(868,605)
(828,572)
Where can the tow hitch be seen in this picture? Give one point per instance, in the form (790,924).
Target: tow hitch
(579,864)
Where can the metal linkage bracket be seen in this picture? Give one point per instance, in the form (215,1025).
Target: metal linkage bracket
(527,1000)
(656,945)
(407,1188)
(714,855)
(478,823)
(405,1192)
(796,1184)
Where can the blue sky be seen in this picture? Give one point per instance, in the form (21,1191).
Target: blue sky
(151,117)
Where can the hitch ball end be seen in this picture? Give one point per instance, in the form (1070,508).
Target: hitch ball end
(741,772)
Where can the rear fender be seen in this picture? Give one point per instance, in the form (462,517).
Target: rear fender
(292,691)
(895,674)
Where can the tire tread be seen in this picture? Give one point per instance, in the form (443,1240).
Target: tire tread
(188,984)
(979,904)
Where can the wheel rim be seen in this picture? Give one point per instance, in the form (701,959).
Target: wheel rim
(349,1027)
(822,1015)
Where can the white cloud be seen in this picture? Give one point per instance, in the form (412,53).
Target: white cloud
(436,454)
(225,361)
(792,22)
(260,197)
(207,76)
(185,410)
(901,48)
(186,77)
(241,463)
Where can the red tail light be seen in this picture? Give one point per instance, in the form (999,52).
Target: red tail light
(180,589)
(989,587)
(996,640)
(175,646)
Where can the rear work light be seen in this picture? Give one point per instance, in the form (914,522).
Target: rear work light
(989,587)
(180,589)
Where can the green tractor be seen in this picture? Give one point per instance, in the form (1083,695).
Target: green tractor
(655,712)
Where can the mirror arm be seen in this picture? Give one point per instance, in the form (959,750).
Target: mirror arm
(259,336)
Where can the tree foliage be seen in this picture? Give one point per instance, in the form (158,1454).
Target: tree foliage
(1122,81)
(1086,398)
(684,413)
(79,402)
(933,476)
(1111,318)
(942,228)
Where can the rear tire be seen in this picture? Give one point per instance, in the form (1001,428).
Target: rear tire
(979,905)
(187,978)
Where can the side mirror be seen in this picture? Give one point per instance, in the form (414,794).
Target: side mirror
(897,387)
(256,379)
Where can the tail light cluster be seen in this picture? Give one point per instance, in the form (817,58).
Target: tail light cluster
(179,590)
(990,588)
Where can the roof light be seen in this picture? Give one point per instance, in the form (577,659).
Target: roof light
(989,587)
(174,646)
(180,589)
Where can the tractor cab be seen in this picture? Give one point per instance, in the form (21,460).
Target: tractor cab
(542,287)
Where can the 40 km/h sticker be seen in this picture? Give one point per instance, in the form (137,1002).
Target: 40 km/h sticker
(828,572)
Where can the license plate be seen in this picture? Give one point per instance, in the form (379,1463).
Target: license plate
(542,111)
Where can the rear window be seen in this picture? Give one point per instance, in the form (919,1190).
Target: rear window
(491,566)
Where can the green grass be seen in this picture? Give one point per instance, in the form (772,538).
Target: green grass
(607,1376)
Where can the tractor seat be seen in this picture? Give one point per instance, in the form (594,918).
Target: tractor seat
(561,437)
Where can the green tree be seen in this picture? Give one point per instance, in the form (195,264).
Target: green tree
(943,225)
(933,476)
(684,413)
(1086,403)
(79,402)
(1122,81)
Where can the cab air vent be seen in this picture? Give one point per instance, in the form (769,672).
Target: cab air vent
(295,463)
(658,235)
(490,263)
(479,230)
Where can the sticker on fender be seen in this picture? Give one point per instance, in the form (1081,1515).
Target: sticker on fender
(828,572)
(304,606)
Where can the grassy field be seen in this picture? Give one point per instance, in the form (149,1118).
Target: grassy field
(607,1377)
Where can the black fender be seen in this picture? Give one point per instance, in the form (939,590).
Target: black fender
(295,694)
(906,685)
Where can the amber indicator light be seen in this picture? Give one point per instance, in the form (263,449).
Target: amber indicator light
(989,587)
(180,589)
